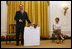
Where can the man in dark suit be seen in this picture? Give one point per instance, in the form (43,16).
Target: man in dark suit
(21,17)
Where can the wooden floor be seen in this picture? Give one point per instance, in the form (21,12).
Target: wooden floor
(43,44)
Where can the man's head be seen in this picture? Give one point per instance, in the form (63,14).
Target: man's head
(57,20)
(21,7)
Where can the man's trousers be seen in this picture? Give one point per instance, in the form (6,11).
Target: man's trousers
(19,29)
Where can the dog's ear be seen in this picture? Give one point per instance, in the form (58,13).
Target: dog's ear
(35,25)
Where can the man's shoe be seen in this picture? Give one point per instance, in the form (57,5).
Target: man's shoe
(22,44)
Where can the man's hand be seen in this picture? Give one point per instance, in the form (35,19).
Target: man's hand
(20,20)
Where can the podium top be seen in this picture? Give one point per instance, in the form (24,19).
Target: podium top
(32,27)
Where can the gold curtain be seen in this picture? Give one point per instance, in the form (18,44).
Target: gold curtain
(37,13)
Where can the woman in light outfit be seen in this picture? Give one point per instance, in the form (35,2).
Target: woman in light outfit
(57,30)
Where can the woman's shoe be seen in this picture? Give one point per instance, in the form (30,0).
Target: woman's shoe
(57,41)
(62,40)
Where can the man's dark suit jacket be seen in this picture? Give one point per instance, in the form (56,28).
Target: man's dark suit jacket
(23,17)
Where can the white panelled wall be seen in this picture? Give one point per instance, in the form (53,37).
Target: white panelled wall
(54,10)
(3,17)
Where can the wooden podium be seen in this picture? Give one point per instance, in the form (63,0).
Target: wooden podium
(32,36)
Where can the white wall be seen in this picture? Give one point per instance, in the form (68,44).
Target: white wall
(56,10)
(3,17)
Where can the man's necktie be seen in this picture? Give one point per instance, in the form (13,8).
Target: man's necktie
(22,14)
